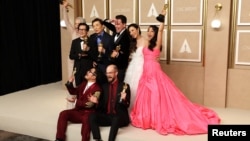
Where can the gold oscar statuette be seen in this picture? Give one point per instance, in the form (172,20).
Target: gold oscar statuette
(85,42)
(118,48)
(165,7)
(69,5)
(161,18)
(100,53)
(74,71)
(125,86)
(91,104)
(73,75)
(85,39)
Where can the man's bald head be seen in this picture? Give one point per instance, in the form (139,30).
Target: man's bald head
(111,73)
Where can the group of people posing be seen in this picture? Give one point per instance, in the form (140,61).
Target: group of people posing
(117,80)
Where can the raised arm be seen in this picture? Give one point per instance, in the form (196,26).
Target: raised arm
(69,25)
(109,25)
(161,19)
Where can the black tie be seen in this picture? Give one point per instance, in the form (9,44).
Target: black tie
(117,34)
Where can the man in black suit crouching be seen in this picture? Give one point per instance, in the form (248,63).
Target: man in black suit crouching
(113,106)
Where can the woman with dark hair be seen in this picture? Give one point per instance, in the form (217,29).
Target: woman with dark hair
(134,69)
(160,105)
(152,36)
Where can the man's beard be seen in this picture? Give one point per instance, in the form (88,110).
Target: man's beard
(111,79)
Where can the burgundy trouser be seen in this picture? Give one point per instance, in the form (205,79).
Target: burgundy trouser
(73,116)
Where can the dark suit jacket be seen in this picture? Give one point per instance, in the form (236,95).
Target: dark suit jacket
(107,42)
(124,42)
(82,64)
(121,108)
(82,102)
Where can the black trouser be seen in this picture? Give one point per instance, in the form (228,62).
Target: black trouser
(99,119)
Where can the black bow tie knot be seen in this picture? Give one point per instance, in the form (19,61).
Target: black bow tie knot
(117,34)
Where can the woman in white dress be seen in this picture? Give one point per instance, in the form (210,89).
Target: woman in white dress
(135,66)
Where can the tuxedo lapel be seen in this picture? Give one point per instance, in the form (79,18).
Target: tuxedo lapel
(118,91)
(119,38)
(89,88)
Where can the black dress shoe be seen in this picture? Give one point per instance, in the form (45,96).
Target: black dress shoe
(58,140)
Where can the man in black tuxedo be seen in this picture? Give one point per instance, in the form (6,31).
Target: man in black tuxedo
(121,49)
(100,55)
(79,52)
(113,106)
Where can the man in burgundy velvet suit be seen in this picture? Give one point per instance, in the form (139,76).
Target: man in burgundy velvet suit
(113,106)
(88,93)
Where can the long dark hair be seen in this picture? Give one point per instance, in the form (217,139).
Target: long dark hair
(152,42)
(133,42)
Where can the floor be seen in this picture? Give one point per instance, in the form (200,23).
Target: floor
(34,112)
(9,136)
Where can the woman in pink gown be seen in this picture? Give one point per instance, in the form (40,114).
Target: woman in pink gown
(160,105)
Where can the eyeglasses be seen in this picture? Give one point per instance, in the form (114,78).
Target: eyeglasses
(110,72)
(92,73)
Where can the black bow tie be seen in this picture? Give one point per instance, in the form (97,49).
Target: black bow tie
(117,34)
